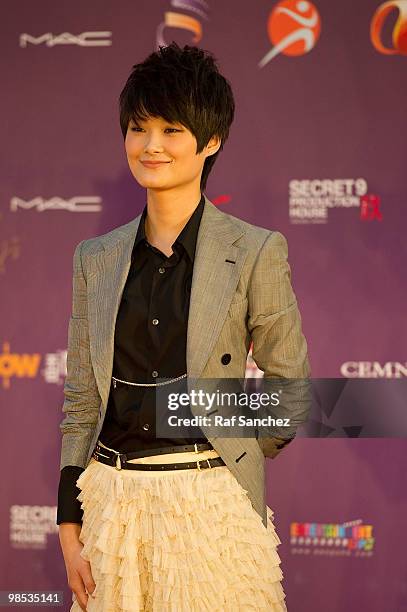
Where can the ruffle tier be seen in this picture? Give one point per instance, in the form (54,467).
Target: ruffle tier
(185,541)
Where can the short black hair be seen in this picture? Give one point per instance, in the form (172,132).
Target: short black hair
(181,86)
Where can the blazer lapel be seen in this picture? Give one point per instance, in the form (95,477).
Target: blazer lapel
(214,282)
(107,277)
(217,269)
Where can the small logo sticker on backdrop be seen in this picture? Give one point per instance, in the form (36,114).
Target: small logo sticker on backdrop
(399,32)
(353,538)
(293,28)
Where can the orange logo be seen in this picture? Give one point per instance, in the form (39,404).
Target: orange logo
(399,35)
(293,27)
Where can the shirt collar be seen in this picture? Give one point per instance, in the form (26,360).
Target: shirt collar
(188,235)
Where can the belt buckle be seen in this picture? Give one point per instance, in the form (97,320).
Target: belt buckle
(118,465)
(198,463)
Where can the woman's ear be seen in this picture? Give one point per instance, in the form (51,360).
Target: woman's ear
(213,145)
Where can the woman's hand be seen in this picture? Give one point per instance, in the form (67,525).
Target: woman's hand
(78,570)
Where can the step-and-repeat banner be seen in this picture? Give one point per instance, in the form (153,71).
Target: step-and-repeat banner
(317,151)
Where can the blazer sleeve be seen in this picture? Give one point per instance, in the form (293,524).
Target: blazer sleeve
(82,399)
(279,346)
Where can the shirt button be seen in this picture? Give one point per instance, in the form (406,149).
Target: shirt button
(155,321)
(154,373)
(161,270)
(146,426)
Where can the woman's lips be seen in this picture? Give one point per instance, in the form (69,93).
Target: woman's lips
(153,164)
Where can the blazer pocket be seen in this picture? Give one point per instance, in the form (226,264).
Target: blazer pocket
(238,308)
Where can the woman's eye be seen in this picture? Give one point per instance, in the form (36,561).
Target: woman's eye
(136,128)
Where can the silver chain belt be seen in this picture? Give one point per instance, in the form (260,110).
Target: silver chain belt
(126,382)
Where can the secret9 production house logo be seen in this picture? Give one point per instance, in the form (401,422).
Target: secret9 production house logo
(311,199)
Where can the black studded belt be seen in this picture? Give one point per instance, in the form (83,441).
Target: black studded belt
(120,460)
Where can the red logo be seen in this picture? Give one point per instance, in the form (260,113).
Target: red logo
(293,27)
(370,208)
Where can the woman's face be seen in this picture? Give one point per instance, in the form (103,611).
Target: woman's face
(155,139)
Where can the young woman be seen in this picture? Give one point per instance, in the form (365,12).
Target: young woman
(150,520)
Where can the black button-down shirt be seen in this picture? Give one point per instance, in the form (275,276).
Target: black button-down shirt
(150,343)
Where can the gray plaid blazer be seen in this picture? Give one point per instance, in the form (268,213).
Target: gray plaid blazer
(241,291)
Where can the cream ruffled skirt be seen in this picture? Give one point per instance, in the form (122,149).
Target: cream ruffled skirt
(176,541)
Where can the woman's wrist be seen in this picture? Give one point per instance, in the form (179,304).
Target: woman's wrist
(69,531)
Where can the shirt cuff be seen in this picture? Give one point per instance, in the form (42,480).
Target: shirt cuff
(69,508)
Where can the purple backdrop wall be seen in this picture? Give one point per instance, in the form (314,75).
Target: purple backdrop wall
(317,151)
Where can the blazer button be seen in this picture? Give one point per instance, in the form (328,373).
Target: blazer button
(225,359)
